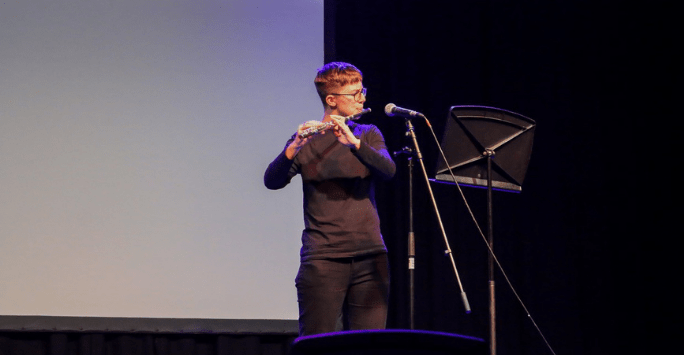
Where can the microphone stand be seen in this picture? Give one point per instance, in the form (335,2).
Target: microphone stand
(411,244)
(411,236)
(411,133)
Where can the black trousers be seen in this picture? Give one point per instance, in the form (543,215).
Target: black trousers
(347,293)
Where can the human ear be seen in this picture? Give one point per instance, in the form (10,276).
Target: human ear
(330,101)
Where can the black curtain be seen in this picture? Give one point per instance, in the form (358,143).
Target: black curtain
(585,243)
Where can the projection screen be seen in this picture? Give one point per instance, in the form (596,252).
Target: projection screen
(134,135)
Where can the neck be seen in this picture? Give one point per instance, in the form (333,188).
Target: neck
(329,111)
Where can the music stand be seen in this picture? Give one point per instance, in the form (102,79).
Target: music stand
(472,137)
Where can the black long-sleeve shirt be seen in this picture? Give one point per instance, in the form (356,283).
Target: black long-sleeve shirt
(340,216)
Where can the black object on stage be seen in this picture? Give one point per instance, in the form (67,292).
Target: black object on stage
(473,136)
(390,341)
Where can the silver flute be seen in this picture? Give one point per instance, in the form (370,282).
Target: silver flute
(327,125)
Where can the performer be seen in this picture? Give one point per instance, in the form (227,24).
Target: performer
(343,278)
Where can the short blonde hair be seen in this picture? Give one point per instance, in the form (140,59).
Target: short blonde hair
(335,75)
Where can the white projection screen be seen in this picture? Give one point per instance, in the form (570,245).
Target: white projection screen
(134,135)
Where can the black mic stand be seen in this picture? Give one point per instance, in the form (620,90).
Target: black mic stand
(411,133)
(411,236)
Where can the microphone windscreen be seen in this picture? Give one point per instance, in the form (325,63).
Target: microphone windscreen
(389,108)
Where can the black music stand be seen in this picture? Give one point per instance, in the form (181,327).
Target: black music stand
(472,137)
(471,132)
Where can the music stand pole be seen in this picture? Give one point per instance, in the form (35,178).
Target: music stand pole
(490,264)
(411,133)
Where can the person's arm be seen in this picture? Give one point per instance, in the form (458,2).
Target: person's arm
(283,167)
(373,153)
(279,172)
(371,150)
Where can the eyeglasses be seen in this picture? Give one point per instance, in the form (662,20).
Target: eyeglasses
(357,95)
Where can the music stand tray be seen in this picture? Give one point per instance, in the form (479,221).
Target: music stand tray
(470,132)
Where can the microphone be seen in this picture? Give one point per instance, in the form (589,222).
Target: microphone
(394,110)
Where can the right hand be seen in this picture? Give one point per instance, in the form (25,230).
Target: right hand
(299,142)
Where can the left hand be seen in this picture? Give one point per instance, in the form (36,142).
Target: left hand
(343,133)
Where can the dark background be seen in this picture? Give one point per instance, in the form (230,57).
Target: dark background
(588,244)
